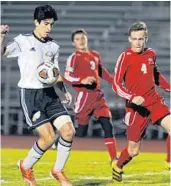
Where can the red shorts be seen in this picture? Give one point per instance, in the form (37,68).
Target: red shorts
(90,103)
(138,118)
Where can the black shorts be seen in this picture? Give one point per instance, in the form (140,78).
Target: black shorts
(41,106)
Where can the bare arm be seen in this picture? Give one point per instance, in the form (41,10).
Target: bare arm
(61,86)
(3,31)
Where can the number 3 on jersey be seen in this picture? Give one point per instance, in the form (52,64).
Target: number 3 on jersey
(93,65)
(144,68)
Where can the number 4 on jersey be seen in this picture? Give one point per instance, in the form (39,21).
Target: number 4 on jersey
(144,68)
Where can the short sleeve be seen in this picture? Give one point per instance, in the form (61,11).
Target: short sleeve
(13,48)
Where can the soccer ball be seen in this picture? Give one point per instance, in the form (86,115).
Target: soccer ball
(47,73)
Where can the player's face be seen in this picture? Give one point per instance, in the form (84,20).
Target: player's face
(80,41)
(45,27)
(138,40)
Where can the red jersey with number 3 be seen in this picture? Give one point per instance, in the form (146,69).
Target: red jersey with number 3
(83,64)
(136,75)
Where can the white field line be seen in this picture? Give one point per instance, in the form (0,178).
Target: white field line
(99,178)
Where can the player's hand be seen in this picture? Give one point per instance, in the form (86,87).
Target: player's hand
(88,80)
(138,100)
(68,98)
(4,29)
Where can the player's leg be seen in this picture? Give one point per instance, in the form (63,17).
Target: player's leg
(54,146)
(61,120)
(125,157)
(83,108)
(165,123)
(65,127)
(128,153)
(109,138)
(160,114)
(46,139)
(137,120)
(102,112)
(82,119)
(168,157)
(36,119)
(82,130)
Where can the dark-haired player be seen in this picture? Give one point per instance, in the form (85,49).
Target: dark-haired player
(41,105)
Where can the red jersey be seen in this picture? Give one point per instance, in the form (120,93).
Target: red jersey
(137,74)
(82,64)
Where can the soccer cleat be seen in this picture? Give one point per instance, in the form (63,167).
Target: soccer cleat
(116,172)
(27,174)
(60,176)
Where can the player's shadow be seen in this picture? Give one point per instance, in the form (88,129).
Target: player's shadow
(92,183)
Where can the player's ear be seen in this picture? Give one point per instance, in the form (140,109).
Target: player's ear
(146,38)
(73,43)
(36,22)
(129,39)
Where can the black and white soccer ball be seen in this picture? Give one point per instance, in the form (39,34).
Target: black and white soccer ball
(47,73)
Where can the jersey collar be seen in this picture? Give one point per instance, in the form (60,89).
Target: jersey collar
(144,52)
(42,41)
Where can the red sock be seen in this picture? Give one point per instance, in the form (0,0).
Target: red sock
(124,158)
(168,149)
(111,146)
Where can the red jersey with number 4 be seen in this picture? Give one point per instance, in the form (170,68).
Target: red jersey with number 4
(136,75)
(83,64)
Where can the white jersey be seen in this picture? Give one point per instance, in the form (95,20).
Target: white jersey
(31,52)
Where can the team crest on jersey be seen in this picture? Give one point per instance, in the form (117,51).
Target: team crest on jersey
(49,54)
(150,61)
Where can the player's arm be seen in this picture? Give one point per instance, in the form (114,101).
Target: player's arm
(160,80)
(120,70)
(13,48)
(70,75)
(60,82)
(104,74)
(3,31)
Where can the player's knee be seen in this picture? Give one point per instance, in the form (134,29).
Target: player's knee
(165,123)
(133,151)
(65,126)
(107,126)
(82,130)
(68,131)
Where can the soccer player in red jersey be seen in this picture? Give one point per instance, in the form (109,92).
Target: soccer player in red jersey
(135,79)
(83,71)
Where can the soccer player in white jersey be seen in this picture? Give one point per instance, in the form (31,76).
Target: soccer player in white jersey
(41,105)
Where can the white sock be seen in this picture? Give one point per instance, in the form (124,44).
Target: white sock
(63,152)
(33,156)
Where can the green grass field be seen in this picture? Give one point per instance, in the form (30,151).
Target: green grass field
(88,169)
